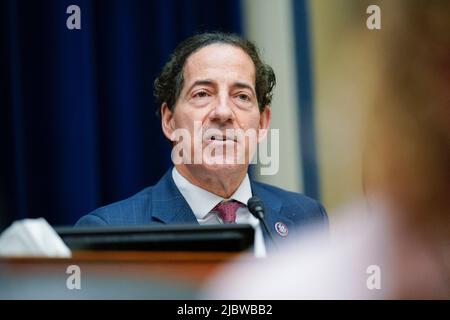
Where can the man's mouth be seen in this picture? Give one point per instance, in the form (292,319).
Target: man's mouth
(222,138)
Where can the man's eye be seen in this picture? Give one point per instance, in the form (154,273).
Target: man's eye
(201,94)
(244,97)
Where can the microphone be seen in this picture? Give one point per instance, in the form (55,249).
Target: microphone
(256,207)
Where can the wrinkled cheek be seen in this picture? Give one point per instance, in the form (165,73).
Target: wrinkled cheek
(252,147)
(187,140)
(182,151)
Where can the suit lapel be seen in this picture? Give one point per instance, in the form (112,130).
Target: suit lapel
(168,204)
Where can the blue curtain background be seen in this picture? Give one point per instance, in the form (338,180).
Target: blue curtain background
(77,122)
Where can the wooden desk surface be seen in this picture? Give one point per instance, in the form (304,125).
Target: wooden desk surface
(104,274)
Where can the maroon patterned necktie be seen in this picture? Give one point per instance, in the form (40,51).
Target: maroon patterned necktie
(227,210)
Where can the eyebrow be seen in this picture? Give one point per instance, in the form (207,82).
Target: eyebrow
(204,82)
(244,85)
(209,82)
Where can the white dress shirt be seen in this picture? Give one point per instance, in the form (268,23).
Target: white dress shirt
(202,202)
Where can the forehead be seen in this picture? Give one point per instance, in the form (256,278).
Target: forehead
(219,62)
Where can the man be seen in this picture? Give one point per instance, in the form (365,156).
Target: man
(213,88)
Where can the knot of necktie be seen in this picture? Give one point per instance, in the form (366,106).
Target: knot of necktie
(227,210)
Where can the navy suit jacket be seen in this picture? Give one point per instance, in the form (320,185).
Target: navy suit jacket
(163,203)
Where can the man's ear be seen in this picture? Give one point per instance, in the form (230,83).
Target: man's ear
(264,123)
(167,121)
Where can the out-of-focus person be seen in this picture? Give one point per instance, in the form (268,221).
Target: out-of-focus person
(396,243)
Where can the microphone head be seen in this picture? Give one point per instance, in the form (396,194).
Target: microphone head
(256,207)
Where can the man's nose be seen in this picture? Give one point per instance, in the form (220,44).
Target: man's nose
(223,111)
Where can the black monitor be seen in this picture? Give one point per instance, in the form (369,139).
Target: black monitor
(232,237)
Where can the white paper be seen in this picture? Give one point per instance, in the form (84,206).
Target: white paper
(32,238)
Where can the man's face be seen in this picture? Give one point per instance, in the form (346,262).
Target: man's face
(218,100)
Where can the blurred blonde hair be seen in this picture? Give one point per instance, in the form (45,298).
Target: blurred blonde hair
(407,155)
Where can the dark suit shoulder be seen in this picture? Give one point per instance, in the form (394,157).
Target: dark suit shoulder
(133,210)
(282,193)
(301,206)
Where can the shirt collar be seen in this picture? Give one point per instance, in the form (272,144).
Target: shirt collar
(202,201)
